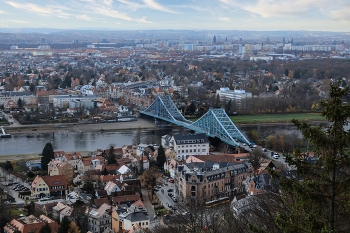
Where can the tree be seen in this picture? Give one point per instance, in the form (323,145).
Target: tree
(64,225)
(105,171)
(8,166)
(45,229)
(81,109)
(319,203)
(111,156)
(256,157)
(32,87)
(46,156)
(161,157)
(149,178)
(20,103)
(73,228)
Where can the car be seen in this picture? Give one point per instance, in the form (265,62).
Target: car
(170,190)
(18,189)
(276,156)
(156,190)
(170,194)
(162,190)
(166,184)
(174,199)
(170,206)
(264,149)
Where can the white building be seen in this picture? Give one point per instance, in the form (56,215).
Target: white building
(100,219)
(190,144)
(68,100)
(236,95)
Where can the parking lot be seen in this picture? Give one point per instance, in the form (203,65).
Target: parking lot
(12,185)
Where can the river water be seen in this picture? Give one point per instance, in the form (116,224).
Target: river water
(90,141)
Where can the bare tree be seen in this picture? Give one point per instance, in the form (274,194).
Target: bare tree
(81,109)
(257,157)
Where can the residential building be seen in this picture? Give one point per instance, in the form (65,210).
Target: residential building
(30,224)
(236,96)
(56,210)
(47,186)
(99,219)
(69,100)
(124,219)
(190,144)
(210,180)
(61,168)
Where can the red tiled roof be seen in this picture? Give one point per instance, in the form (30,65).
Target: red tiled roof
(126,198)
(57,180)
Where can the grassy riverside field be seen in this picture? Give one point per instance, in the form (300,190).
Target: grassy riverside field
(273,118)
(276,118)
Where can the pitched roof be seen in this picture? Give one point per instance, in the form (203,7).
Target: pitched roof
(101,201)
(125,199)
(55,180)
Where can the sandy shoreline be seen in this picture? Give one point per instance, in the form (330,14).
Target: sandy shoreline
(80,127)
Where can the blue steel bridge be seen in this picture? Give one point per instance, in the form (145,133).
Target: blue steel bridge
(215,123)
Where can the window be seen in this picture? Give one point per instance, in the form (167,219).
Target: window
(186,151)
(194,150)
(203,150)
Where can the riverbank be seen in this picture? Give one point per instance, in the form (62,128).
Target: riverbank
(80,127)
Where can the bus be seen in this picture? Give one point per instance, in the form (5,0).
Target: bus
(222,200)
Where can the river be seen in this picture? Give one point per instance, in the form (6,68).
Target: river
(75,141)
(90,141)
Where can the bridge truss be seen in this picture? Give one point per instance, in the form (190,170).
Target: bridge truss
(215,123)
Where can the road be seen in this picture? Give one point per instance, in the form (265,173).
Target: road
(8,177)
(269,154)
(163,196)
(10,119)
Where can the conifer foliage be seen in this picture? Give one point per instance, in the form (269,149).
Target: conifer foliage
(317,200)
(46,156)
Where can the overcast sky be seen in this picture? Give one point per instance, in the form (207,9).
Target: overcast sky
(323,15)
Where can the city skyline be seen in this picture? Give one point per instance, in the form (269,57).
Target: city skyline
(314,15)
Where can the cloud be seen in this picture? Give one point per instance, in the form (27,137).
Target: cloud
(131,5)
(341,15)
(2,12)
(273,8)
(225,19)
(40,10)
(156,6)
(84,17)
(117,15)
(18,21)
(144,20)
(107,2)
